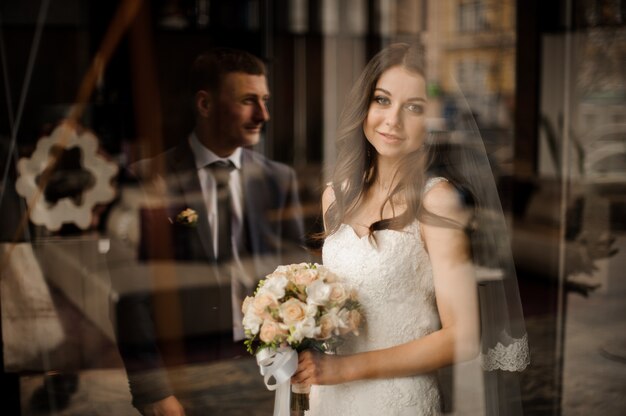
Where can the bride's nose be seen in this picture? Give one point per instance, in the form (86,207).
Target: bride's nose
(393,117)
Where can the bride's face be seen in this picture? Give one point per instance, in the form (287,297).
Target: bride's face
(395,122)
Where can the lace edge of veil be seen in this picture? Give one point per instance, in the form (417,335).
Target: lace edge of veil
(513,357)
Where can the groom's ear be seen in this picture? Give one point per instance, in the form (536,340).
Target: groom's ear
(204,103)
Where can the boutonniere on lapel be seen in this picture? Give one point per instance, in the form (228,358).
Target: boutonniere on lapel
(188,217)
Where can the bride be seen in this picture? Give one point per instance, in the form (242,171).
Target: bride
(398,218)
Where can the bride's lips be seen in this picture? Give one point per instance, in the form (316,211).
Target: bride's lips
(390,138)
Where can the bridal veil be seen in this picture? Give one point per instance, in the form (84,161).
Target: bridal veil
(460,152)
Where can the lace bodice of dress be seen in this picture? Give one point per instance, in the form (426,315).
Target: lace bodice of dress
(393,278)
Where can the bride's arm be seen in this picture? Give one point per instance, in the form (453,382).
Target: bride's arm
(457,303)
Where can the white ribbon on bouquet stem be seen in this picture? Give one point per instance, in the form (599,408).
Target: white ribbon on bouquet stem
(278,366)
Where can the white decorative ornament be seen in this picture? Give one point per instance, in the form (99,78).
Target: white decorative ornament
(52,216)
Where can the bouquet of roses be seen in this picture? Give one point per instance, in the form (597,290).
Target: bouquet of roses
(298,306)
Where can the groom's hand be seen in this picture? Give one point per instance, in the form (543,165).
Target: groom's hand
(170,406)
(319,369)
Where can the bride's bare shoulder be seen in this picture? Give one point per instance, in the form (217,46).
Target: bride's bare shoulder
(328,196)
(443,199)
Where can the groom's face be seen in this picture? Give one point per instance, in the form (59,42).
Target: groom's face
(241,109)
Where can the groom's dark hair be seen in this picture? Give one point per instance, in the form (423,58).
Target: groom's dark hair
(211,66)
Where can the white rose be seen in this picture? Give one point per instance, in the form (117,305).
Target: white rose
(318,293)
(311,310)
(282,270)
(274,285)
(252,322)
(304,329)
(246,303)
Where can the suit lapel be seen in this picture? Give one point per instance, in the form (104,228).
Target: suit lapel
(255,193)
(257,202)
(185,171)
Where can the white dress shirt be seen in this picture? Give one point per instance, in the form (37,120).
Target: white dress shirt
(203,158)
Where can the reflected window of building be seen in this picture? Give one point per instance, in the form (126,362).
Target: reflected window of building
(472,16)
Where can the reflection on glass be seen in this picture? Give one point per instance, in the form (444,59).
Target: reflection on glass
(597,177)
(78,233)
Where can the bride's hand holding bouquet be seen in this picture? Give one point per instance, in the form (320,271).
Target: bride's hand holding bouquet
(295,308)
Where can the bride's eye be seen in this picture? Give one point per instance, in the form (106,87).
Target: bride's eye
(415,108)
(382,100)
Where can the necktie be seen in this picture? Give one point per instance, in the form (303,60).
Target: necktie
(221,172)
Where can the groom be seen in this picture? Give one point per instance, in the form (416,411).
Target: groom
(227,207)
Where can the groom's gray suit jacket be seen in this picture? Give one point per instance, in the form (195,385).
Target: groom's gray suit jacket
(273,234)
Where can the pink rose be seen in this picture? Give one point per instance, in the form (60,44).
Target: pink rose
(326,275)
(262,303)
(338,294)
(271,331)
(293,311)
(327,326)
(353,321)
(305,277)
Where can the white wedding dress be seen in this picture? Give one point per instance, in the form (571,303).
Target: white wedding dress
(395,287)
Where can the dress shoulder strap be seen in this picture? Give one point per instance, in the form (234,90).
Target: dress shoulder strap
(432,182)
